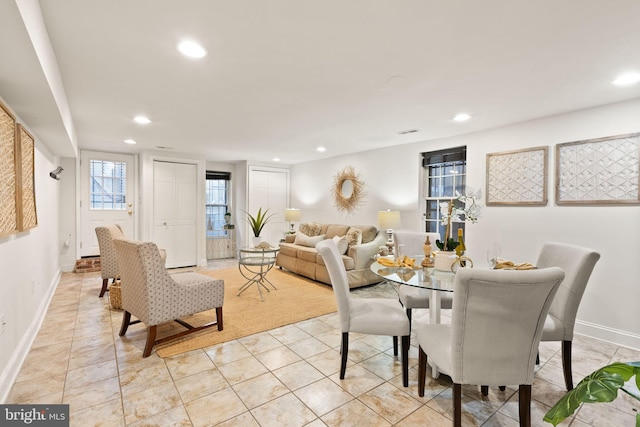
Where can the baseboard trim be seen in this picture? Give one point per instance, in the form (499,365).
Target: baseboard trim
(615,336)
(11,371)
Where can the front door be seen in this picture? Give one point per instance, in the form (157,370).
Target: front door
(107,183)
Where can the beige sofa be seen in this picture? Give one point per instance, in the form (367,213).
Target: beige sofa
(358,243)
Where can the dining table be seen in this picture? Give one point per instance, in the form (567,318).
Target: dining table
(428,278)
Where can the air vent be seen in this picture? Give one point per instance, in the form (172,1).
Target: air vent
(405,132)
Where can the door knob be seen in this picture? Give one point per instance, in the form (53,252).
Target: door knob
(130,212)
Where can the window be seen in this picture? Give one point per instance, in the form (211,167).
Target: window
(217,202)
(444,173)
(108,185)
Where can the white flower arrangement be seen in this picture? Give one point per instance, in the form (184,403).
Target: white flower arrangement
(470,212)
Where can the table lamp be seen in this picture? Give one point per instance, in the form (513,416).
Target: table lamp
(292,215)
(389,219)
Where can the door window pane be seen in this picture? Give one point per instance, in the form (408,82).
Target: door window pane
(108,185)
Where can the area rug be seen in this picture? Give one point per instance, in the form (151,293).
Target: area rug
(296,299)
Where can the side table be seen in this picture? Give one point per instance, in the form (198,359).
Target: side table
(254,264)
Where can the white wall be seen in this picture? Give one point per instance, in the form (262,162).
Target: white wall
(609,309)
(30,272)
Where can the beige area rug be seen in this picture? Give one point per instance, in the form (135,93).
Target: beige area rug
(296,299)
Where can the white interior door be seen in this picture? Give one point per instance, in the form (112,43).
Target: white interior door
(269,189)
(175,211)
(107,186)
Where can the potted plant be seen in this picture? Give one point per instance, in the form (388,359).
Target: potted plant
(258,221)
(600,386)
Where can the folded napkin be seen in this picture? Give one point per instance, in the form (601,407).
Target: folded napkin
(404,262)
(510,265)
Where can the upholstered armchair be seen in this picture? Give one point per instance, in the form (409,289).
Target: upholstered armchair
(495,330)
(372,316)
(155,297)
(108,261)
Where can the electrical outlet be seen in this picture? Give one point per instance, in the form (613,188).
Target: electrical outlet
(2,323)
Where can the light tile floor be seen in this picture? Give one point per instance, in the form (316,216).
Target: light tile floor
(283,377)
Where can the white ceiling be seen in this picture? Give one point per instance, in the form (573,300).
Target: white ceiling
(284,76)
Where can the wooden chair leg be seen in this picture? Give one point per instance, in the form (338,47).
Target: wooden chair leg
(219,317)
(502,388)
(105,287)
(484,389)
(422,370)
(151,339)
(395,346)
(126,320)
(566,364)
(344,350)
(405,360)
(524,400)
(457,405)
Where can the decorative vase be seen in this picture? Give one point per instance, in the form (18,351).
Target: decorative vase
(255,241)
(444,260)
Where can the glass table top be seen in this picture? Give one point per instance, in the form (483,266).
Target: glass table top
(422,277)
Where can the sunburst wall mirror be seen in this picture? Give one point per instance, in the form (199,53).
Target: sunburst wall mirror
(347,190)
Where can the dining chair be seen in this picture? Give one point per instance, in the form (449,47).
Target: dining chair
(578,263)
(108,261)
(412,297)
(372,316)
(155,297)
(495,330)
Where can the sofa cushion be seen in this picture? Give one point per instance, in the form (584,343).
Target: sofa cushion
(342,243)
(289,249)
(369,232)
(336,230)
(354,236)
(348,262)
(308,241)
(307,254)
(310,229)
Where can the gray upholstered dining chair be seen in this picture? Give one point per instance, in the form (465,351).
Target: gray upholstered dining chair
(372,316)
(108,261)
(410,296)
(578,263)
(495,330)
(155,297)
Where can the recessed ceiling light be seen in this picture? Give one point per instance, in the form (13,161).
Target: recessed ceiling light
(142,120)
(276,159)
(321,149)
(461,117)
(191,49)
(130,141)
(627,79)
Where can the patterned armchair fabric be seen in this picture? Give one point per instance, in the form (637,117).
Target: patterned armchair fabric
(108,261)
(154,296)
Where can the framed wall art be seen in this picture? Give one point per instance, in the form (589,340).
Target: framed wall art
(517,177)
(8,214)
(599,171)
(25,181)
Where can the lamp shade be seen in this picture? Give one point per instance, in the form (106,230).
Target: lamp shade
(388,219)
(292,215)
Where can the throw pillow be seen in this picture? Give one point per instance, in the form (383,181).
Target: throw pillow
(310,229)
(308,241)
(369,232)
(342,243)
(354,236)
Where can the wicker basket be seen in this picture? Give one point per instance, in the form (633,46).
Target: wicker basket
(115,295)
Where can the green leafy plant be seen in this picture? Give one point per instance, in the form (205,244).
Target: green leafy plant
(600,386)
(450,245)
(258,222)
